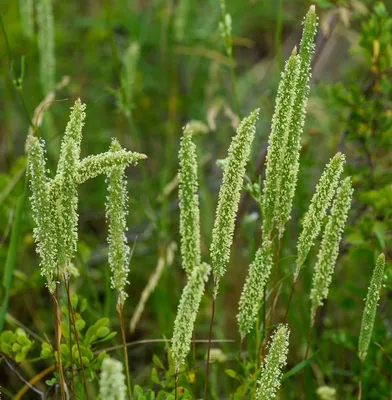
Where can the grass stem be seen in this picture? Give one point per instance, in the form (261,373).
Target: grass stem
(76,336)
(209,344)
(125,351)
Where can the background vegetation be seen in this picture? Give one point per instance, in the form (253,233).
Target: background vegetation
(180,72)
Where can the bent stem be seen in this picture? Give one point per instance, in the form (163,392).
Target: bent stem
(76,335)
(209,342)
(124,343)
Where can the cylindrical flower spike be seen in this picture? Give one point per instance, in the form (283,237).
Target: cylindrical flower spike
(66,181)
(321,200)
(369,313)
(116,212)
(229,195)
(252,293)
(46,44)
(277,141)
(271,375)
(187,312)
(112,380)
(189,203)
(73,130)
(92,166)
(290,165)
(329,250)
(40,201)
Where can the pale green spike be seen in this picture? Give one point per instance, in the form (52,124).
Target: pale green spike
(46,44)
(277,141)
(112,380)
(73,130)
(290,164)
(319,205)
(189,203)
(271,374)
(229,195)
(329,249)
(116,212)
(252,293)
(40,202)
(187,312)
(369,313)
(92,166)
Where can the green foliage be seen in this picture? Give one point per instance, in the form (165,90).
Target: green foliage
(16,344)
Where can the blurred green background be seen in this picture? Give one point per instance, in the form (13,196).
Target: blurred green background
(181,74)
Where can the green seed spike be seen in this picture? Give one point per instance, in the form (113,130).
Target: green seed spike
(369,313)
(252,293)
(277,141)
(329,249)
(187,312)
(271,374)
(319,205)
(112,380)
(189,203)
(40,202)
(92,166)
(290,165)
(116,212)
(229,195)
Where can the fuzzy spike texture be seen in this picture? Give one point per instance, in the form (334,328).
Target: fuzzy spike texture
(112,380)
(26,10)
(40,202)
(252,293)
(116,212)
(371,304)
(329,249)
(92,166)
(189,203)
(187,312)
(271,374)
(229,195)
(46,44)
(67,176)
(277,141)
(321,200)
(290,165)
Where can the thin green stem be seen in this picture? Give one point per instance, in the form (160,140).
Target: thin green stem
(209,344)
(360,380)
(125,351)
